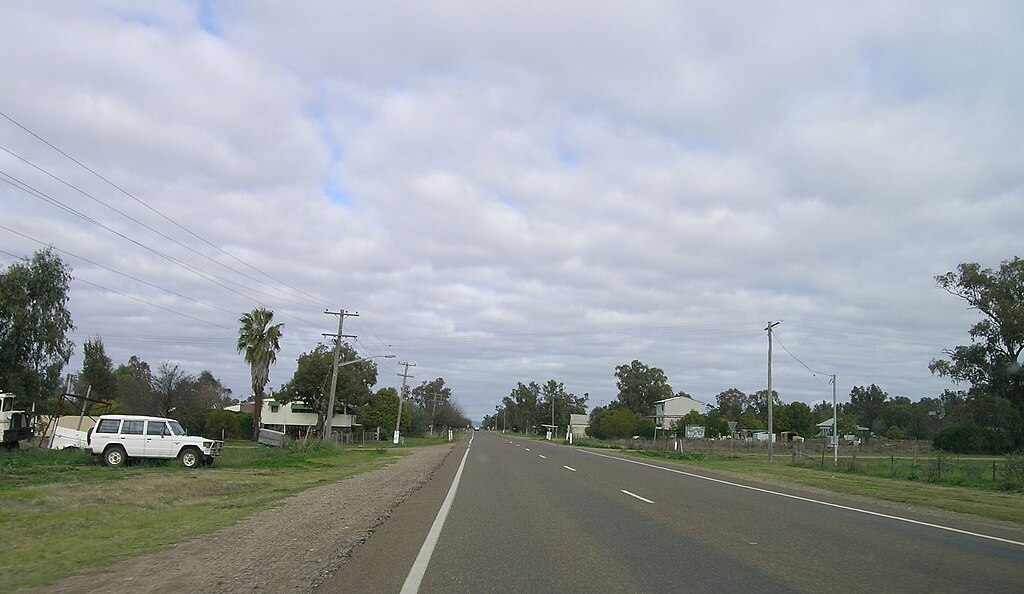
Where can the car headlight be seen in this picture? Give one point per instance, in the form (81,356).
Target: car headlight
(207,445)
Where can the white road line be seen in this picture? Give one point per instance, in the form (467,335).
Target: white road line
(569,468)
(527,449)
(809,500)
(637,496)
(419,566)
(543,456)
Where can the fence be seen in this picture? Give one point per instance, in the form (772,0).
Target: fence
(911,447)
(905,460)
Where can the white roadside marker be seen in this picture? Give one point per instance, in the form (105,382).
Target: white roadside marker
(543,456)
(569,468)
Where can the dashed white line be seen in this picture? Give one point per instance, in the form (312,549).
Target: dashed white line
(543,456)
(569,468)
(644,499)
(527,449)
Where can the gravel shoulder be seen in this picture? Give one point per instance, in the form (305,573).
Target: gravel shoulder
(289,548)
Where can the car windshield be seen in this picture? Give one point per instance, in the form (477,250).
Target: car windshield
(176,428)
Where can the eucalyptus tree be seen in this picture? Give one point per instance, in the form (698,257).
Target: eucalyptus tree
(991,364)
(260,341)
(34,322)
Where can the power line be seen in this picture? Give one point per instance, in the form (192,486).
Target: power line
(208,276)
(167,309)
(128,276)
(143,203)
(136,221)
(790,353)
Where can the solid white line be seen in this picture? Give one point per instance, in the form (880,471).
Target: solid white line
(543,456)
(419,566)
(637,496)
(569,468)
(809,500)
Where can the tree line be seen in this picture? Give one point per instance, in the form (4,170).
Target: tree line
(425,408)
(529,407)
(34,350)
(985,412)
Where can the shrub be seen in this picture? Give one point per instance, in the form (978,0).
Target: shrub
(1013,473)
(895,432)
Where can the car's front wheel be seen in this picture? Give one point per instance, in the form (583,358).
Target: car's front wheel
(115,456)
(191,457)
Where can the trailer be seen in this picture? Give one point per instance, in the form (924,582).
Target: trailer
(64,438)
(14,424)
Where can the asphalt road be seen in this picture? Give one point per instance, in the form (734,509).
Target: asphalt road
(532,516)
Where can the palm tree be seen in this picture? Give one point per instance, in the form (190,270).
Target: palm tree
(261,342)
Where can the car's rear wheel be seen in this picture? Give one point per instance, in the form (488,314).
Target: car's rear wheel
(115,456)
(191,457)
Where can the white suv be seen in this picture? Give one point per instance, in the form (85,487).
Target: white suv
(119,438)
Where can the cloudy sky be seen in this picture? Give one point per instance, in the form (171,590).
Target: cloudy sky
(521,191)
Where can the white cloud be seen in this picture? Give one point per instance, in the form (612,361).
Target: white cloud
(522,194)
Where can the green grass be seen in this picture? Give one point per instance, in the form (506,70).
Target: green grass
(965,487)
(60,507)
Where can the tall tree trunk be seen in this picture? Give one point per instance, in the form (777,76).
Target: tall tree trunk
(257,413)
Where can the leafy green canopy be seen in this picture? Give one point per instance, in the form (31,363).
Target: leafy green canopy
(311,382)
(34,322)
(991,364)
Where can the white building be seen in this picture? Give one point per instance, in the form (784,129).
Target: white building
(667,411)
(296,415)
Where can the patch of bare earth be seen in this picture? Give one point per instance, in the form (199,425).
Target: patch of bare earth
(290,548)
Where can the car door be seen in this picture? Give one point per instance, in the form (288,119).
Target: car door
(160,443)
(133,438)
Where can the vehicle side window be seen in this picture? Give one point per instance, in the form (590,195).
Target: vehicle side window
(108,425)
(132,428)
(157,428)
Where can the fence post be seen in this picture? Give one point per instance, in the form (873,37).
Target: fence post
(892,464)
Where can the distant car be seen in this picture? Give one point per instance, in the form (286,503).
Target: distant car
(117,439)
(476,428)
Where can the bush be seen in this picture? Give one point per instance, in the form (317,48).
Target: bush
(1013,473)
(970,440)
(895,433)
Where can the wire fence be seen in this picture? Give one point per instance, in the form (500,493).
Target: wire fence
(910,460)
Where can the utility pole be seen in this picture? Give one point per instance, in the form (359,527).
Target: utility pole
(433,410)
(341,313)
(771,431)
(835,424)
(553,415)
(398,420)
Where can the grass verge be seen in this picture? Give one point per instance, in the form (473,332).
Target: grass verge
(63,513)
(1000,505)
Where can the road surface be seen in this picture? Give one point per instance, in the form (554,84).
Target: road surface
(529,516)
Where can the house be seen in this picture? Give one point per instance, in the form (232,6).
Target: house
(668,410)
(297,416)
(825,428)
